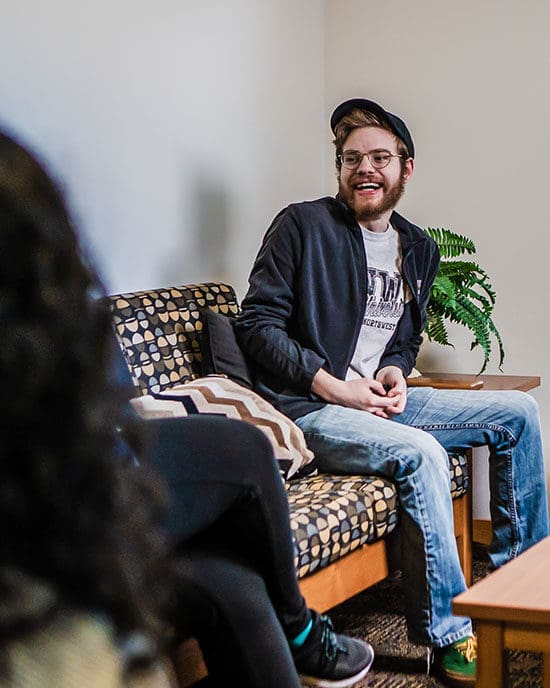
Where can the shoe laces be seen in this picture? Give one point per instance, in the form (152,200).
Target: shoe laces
(467,648)
(329,639)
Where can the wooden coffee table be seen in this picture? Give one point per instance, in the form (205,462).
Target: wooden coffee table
(512,609)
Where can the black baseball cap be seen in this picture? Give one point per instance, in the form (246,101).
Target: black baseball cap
(395,123)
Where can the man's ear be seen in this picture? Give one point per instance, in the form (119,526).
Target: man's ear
(409,169)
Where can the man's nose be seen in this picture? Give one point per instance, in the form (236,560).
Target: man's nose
(365,165)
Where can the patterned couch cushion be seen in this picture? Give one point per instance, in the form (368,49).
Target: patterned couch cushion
(332,515)
(161,330)
(458,466)
(221,396)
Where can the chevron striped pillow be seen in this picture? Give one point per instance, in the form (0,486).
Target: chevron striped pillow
(221,396)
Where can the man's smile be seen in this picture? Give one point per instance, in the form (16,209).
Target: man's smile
(368,187)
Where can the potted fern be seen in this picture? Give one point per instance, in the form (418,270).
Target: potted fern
(461,293)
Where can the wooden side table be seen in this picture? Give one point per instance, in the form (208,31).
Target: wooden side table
(523,383)
(512,608)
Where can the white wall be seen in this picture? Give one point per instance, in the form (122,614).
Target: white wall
(470,79)
(178,128)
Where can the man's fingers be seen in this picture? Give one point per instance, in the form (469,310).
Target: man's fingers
(377,387)
(398,408)
(386,401)
(380,413)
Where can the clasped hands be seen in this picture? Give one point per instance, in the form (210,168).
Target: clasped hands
(385,396)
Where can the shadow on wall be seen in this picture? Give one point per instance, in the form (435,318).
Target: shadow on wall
(202,251)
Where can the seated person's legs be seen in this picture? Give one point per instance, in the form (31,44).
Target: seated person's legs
(352,441)
(232,617)
(225,490)
(228,499)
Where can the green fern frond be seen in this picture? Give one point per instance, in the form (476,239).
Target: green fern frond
(467,274)
(436,330)
(461,293)
(461,268)
(484,303)
(497,336)
(482,290)
(449,243)
(443,289)
(468,314)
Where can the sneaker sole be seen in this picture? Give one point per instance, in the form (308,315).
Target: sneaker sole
(340,683)
(453,680)
(456,681)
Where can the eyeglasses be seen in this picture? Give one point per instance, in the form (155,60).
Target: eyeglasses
(377,158)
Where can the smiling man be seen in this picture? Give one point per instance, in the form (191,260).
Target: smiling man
(332,322)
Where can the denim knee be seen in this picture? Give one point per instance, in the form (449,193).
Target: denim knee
(519,410)
(422,451)
(523,404)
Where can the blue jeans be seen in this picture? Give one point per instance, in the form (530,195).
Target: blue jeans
(411,450)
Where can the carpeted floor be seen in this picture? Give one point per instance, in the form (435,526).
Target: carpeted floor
(377,616)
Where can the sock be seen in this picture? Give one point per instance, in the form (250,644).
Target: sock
(301,638)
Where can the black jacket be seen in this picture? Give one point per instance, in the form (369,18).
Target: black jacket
(307,298)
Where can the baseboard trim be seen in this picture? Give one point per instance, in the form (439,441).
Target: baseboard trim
(482,531)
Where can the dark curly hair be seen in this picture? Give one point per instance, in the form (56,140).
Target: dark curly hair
(72,514)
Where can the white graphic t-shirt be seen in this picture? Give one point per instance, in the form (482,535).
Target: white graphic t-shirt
(386,297)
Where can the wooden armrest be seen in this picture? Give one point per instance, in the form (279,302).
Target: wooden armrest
(444,383)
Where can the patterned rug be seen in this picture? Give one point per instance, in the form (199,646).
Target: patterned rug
(377,616)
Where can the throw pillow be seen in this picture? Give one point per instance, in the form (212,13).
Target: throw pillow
(221,396)
(222,354)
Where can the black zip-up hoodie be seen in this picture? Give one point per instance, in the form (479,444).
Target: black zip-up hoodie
(307,299)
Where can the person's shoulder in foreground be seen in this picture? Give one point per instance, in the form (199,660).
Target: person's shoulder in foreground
(79,539)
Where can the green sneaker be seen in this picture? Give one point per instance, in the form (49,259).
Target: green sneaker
(456,663)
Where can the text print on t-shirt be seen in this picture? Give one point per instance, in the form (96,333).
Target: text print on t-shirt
(384,299)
